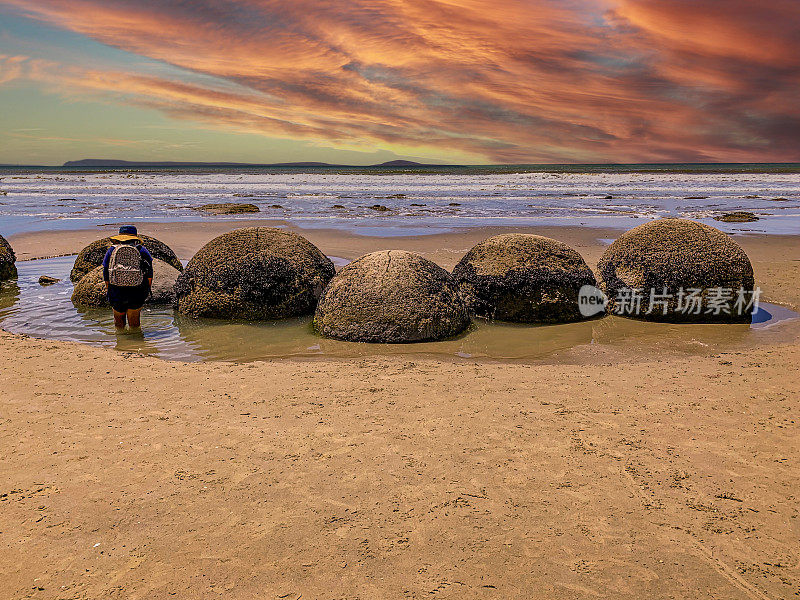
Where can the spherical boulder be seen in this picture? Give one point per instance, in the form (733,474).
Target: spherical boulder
(391,296)
(8,269)
(91,289)
(679,271)
(92,255)
(255,273)
(523,278)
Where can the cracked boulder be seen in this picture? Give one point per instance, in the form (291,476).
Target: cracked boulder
(391,296)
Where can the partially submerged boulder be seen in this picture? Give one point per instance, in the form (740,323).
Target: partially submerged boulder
(229,208)
(737,217)
(92,256)
(91,289)
(391,296)
(666,260)
(255,273)
(8,268)
(523,278)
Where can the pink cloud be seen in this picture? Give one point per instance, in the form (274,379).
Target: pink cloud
(508,80)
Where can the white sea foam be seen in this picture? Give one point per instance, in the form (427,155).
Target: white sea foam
(417,202)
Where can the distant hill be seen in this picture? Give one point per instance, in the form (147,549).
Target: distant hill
(105,162)
(404,163)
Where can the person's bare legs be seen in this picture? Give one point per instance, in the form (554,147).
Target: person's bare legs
(134,318)
(119,319)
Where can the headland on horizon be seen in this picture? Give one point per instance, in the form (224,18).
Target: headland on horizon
(114,163)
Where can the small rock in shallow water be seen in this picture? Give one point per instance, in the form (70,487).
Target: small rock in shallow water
(379,207)
(737,217)
(47,280)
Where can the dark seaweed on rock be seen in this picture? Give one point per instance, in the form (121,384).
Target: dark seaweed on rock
(256,273)
(8,269)
(391,296)
(523,278)
(675,254)
(92,256)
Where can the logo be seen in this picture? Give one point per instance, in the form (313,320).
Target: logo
(591,301)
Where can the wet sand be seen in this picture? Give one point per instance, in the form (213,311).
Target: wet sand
(625,476)
(775,258)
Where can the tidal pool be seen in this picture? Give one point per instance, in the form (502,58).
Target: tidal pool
(47,312)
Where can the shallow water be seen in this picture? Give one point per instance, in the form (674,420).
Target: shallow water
(418,202)
(47,312)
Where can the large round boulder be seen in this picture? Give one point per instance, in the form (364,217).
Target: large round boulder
(256,273)
(391,296)
(678,271)
(523,278)
(8,269)
(91,289)
(92,256)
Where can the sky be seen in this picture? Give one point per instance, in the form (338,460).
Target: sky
(364,81)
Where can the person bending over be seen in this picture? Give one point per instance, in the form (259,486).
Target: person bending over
(128,273)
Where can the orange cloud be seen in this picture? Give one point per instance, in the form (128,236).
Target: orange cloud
(508,80)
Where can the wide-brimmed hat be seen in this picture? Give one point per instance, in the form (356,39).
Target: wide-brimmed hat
(127,233)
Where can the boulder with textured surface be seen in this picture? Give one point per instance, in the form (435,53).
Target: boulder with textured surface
(256,273)
(91,289)
(523,278)
(676,255)
(8,268)
(92,256)
(391,296)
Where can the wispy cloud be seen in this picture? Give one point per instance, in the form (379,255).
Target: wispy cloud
(504,80)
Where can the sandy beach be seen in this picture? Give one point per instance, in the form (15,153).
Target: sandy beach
(357,377)
(629,475)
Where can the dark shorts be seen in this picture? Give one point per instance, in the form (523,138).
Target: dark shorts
(123,299)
